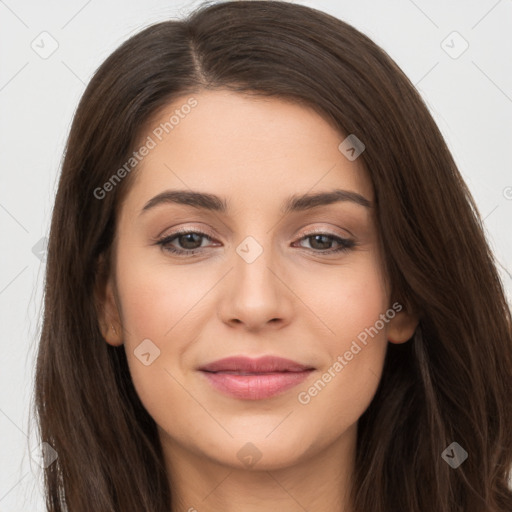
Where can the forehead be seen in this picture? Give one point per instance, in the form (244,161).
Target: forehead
(254,150)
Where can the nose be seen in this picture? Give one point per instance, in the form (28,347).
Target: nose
(255,294)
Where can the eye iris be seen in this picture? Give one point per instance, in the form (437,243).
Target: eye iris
(187,238)
(325,245)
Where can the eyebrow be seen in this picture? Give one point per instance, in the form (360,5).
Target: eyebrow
(295,203)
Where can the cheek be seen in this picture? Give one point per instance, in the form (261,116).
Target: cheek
(351,304)
(158,300)
(148,306)
(344,300)
(163,309)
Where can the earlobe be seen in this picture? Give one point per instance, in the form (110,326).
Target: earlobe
(401,327)
(106,307)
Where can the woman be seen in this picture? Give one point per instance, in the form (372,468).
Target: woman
(268,285)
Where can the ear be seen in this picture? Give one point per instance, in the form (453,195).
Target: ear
(402,326)
(106,305)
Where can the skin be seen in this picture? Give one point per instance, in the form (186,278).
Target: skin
(293,301)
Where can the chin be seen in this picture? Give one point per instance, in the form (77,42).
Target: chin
(260,453)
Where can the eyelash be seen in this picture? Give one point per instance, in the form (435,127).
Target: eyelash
(345,243)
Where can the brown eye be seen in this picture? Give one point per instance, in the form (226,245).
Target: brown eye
(189,242)
(322,242)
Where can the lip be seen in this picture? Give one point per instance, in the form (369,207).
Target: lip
(255,379)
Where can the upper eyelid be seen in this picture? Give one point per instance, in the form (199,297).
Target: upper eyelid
(206,234)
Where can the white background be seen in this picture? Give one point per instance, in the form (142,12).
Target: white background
(470,97)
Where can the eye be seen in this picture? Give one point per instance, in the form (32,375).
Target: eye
(321,241)
(191,242)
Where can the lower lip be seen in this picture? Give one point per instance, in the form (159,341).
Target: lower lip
(255,387)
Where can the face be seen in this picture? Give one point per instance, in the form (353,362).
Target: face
(196,280)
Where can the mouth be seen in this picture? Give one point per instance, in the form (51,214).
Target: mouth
(255,379)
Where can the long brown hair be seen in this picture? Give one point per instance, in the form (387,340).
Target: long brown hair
(449,383)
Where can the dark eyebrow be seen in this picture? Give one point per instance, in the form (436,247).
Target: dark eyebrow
(200,200)
(295,203)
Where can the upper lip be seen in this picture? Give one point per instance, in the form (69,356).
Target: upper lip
(264,364)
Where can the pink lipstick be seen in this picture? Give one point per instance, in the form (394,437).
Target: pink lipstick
(255,379)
